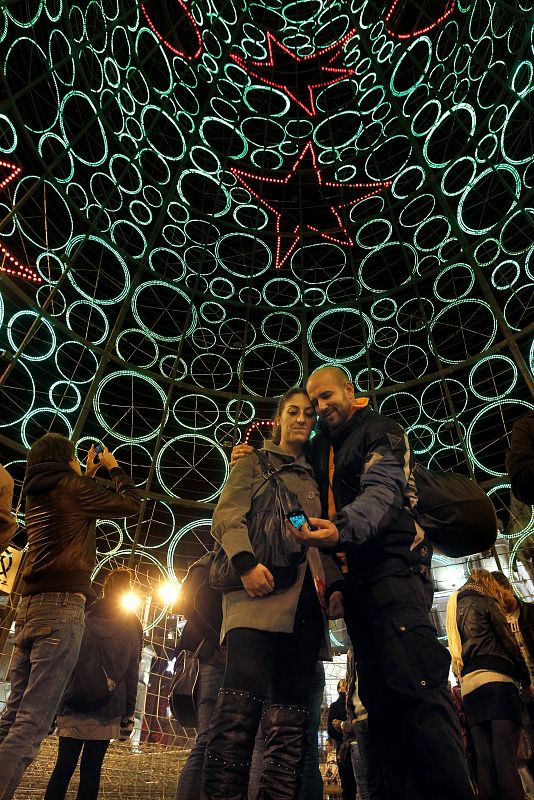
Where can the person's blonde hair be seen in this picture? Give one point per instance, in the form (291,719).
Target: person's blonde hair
(486,583)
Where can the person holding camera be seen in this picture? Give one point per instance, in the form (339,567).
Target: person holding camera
(86,723)
(62,507)
(274,633)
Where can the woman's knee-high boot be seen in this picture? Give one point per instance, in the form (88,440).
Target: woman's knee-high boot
(230,745)
(284,728)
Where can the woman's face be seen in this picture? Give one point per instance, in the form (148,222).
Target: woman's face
(296,420)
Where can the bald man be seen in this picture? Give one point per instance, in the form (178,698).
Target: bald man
(362,463)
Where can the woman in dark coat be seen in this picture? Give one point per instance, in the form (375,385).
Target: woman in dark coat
(490,668)
(88,732)
(273,635)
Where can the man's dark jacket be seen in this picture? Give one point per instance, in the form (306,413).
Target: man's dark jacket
(520,459)
(373,493)
(337,710)
(487,641)
(201,606)
(61,513)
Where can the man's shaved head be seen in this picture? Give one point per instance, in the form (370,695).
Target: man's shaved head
(335,375)
(332,394)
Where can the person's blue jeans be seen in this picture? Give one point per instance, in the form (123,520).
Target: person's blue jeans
(48,634)
(209,682)
(359,756)
(311,787)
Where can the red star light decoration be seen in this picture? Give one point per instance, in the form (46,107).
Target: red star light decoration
(281,70)
(411,19)
(9,263)
(307,209)
(182,35)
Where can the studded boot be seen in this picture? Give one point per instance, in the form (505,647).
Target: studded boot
(284,728)
(230,744)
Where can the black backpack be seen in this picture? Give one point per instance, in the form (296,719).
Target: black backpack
(91,685)
(457,515)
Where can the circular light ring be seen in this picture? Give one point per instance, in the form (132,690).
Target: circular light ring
(501,391)
(236,416)
(212,411)
(402,369)
(150,332)
(69,385)
(55,415)
(380,310)
(368,335)
(409,414)
(456,389)
(120,536)
(140,377)
(485,410)
(93,308)
(178,536)
(69,250)
(506,282)
(219,371)
(378,380)
(196,439)
(454,269)
(280,337)
(444,311)
(415,320)
(530,524)
(141,333)
(386,337)
(212,313)
(270,369)
(491,171)
(167,373)
(425,429)
(42,321)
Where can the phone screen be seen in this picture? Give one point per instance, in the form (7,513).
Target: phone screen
(297,519)
(99,448)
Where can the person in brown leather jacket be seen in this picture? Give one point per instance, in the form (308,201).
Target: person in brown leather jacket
(62,507)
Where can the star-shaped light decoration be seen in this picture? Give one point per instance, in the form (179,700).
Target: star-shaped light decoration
(303,200)
(298,77)
(413,18)
(174,26)
(8,262)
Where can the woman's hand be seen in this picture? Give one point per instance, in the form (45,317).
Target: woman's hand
(258,581)
(91,466)
(240,451)
(108,459)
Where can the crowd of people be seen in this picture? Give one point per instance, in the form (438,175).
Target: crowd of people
(358,551)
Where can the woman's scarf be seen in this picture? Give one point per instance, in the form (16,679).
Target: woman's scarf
(453,635)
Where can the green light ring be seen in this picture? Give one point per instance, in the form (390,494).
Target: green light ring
(486,409)
(199,337)
(100,10)
(11,147)
(42,271)
(220,360)
(196,438)
(124,224)
(197,427)
(514,79)
(421,226)
(313,297)
(513,557)
(206,177)
(230,323)
(232,416)
(95,116)
(508,222)
(216,286)
(476,58)
(381,112)
(138,376)
(408,208)
(423,322)
(413,429)
(360,315)
(161,55)
(457,412)
(72,12)
(367,98)
(472,114)
(278,315)
(55,17)
(113,80)
(126,331)
(482,153)
(128,166)
(140,213)
(489,171)
(59,34)
(245,208)
(494,124)
(412,398)
(117,31)
(276,348)
(71,386)
(113,190)
(46,325)
(377,384)
(487,76)
(59,305)
(53,195)
(197,152)
(480,245)
(180,374)
(370,224)
(453,268)
(514,280)
(28,417)
(68,377)
(178,536)
(421,40)
(145,547)
(93,307)
(160,337)
(511,299)
(157,200)
(529,263)
(502,392)
(407,347)
(125,554)
(394,187)
(435,456)
(44,139)
(444,429)
(113,524)
(25,24)
(174,257)
(424,131)
(411,273)
(389,314)
(390,337)
(454,165)
(286,281)
(372,157)
(158,113)
(204,312)
(443,311)
(101,302)
(25,369)
(257,89)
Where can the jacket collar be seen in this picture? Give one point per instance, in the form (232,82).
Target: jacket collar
(301,461)
(343,430)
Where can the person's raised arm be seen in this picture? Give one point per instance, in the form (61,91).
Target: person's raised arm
(98,502)
(8,524)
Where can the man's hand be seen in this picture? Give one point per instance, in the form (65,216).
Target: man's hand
(258,581)
(326,535)
(91,466)
(336,608)
(240,451)
(107,459)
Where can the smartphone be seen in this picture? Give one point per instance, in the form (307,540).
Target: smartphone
(99,448)
(297,518)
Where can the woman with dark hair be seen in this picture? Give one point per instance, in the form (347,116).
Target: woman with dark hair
(490,668)
(274,635)
(86,727)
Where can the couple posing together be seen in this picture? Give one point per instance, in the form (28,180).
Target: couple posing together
(352,480)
